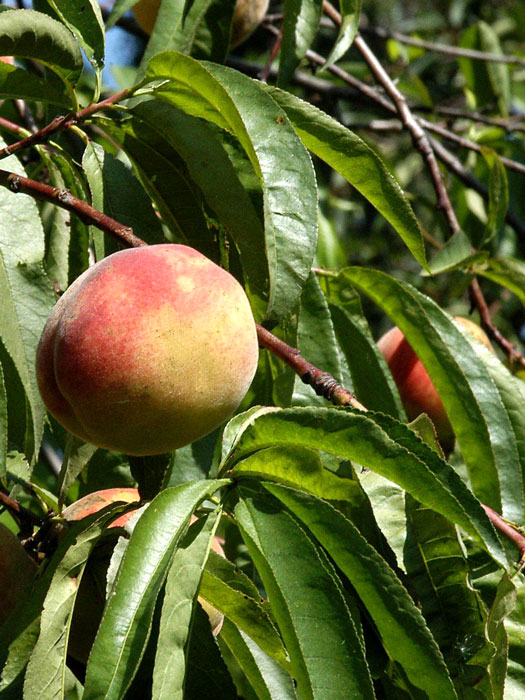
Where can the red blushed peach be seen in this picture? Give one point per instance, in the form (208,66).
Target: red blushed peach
(148,350)
(416,389)
(91,596)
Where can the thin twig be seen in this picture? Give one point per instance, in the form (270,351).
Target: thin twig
(22,515)
(62,122)
(455,51)
(322,382)
(64,199)
(271,58)
(508,530)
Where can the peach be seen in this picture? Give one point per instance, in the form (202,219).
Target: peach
(417,392)
(148,350)
(247,16)
(91,596)
(17,571)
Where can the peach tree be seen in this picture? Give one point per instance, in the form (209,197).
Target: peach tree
(351,177)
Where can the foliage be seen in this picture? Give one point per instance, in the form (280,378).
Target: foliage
(361,561)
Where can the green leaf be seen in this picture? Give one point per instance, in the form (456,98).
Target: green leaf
(507,272)
(358,163)
(27,296)
(212,170)
(498,194)
(125,627)
(300,25)
(182,584)
(17,83)
(33,35)
(515,682)
(487,81)
(474,407)
(372,384)
(266,679)
(398,620)
(46,672)
(118,193)
(439,574)
(316,341)
(86,24)
(241,106)
(200,28)
(456,253)
(382,444)
(350,16)
(119,8)
(228,590)
(77,454)
(326,655)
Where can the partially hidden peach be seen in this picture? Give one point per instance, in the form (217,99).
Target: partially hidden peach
(247,16)
(17,571)
(148,350)
(91,596)
(416,389)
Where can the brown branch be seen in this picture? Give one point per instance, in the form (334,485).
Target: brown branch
(271,58)
(63,122)
(455,51)
(65,200)
(510,532)
(322,382)
(24,517)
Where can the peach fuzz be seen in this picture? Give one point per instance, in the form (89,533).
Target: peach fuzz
(148,350)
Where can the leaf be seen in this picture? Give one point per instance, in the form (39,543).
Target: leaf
(299,28)
(439,573)
(27,296)
(266,679)
(46,672)
(351,13)
(326,655)
(398,620)
(200,28)
(125,627)
(17,83)
(241,106)
(476,412)
(456,253)
(32,34)
(498,194)
(316,340)
(515,682)
(182,584)
(77,455)
(372,384)
(380,443)
(118,193)
(86,24)
(226,589)
(507,272)
(487,81)
(120,7)
(212,170)
(357,162)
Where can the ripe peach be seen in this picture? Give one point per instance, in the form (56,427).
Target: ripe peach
(148,350)
(91,596)
(17,571)
(247,16)
(417,392)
